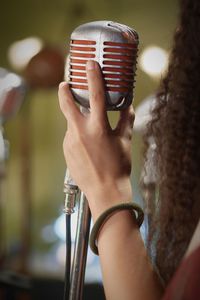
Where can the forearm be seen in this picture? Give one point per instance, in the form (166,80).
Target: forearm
(127,271)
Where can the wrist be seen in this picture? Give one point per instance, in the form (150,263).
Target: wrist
(102,197)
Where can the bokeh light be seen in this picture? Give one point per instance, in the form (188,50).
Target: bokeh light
(154,61)
(21,52)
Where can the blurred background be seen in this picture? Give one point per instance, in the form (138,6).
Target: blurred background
(34,44)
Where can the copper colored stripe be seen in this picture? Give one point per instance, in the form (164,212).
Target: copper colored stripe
(120,44)
(72,67)
(120,70)
(120,83)
(118,63)
(81,87)
(82,55)
(120,76)
(86,49)
(79,80)
(78,74)
(118,89)
(123,57)
(78,61)
(83,42)
(119,50)
(108,82)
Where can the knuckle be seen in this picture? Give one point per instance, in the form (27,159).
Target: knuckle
(131,116)
(99,132)
(129,135)
(97,94)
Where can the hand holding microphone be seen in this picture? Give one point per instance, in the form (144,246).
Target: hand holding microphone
(98,157)
(114,46)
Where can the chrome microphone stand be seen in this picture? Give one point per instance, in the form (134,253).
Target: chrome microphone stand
(72,196)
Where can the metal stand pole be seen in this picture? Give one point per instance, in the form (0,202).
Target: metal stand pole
(80,251)
(82,236)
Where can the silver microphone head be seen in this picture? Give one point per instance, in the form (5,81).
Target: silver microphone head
(114,46)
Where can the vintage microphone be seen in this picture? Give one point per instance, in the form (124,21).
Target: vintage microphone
(114,46)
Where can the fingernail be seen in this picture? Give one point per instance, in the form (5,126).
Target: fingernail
(62,84)
(90,65)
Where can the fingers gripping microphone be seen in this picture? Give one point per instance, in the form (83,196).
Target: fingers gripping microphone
(114,46)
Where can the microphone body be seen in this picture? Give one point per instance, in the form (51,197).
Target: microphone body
(114,46)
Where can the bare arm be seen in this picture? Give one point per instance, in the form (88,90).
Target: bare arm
(127,271)
(99,160)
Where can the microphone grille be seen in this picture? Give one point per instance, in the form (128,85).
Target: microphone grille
(115,48)
(80,52)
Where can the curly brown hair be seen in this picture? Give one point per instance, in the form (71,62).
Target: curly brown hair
(175,128)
